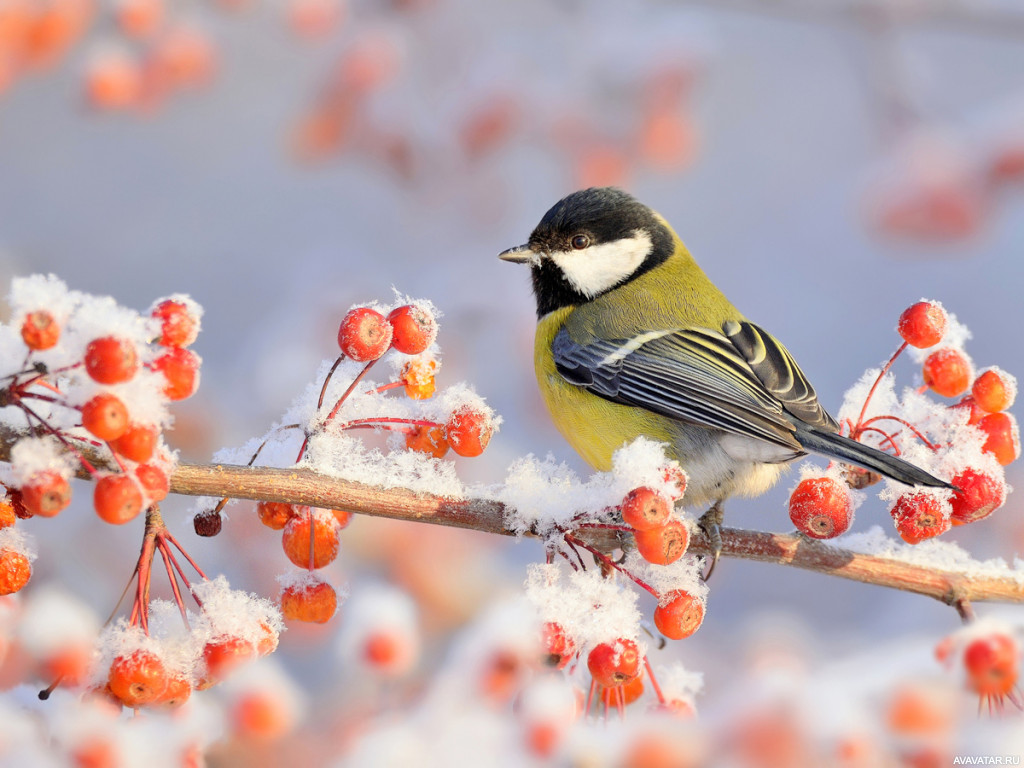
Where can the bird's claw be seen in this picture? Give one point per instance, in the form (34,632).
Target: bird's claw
(711,523)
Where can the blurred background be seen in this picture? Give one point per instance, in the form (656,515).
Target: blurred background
(828,163)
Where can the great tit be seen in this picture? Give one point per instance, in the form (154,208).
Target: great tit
(634,339)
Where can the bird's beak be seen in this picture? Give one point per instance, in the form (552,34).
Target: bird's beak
(521,254)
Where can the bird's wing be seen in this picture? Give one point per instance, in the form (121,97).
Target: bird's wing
(692,374)
(778,373)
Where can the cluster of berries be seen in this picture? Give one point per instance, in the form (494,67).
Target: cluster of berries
(311,536)
(969,442)
(94,403)
(988,654)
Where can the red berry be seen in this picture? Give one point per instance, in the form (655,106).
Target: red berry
(8,517)
(364,335)
(469,431)
(559,648)
(178,326)
(314,602)
(15,571)
(40,330)
(276,514)
(46,493)
(979,496)
(947,371)
(177,692)
(993,665)
(970,406)
(429,440)
(1003,437)
(223,656)
(923,324)
(105,416)
(154,482)
(631,691)
(665,545)
(342,516)
(679,614)
(614,663)
(138,442)
(645,509)
(920,516)
(138,678)
(111,360)
(295,540)
(180,368)
(117,499)
(820,507)
(676,479)
(994,390)
(414,329)
(418,378)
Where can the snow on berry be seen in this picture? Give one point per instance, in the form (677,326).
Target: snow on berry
(54,624)
(31,456)
(180,319)
(381,631)
(923,324)
(994,389)
(307,597)
(543,496)
(589,608)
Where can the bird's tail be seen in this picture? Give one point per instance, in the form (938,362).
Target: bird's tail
(843,448)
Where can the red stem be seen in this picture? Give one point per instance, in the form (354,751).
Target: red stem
(162,546)
(372,423)
(167,535)
(881,375)
(654,681)
(906,424)
(344,396)
(886,435)
(611,563)
(56,433)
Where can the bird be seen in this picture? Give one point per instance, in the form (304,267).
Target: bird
(633,339)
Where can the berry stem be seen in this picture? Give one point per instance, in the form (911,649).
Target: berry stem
(654,681)
(162,546)
(347,392)
(568,559)
(590,697)
(312,537)
(878,380)
(905,423)
(140,606)
(167,535)
(56,433)
(327,380)
(583,565)
(606,527)
(373,423)
(609,563)
(385,387)
(888,438)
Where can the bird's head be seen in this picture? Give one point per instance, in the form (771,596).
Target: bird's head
(590,242)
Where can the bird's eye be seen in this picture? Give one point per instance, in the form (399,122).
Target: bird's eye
(580,242)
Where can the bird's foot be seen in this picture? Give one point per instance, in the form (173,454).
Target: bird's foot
(711,523)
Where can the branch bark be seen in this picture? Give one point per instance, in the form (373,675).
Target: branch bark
(303,486)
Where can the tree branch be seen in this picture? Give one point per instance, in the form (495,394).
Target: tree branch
(303,486)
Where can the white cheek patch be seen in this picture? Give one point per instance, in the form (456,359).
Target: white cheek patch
(599,267)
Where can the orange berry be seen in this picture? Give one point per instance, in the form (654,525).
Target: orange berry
(314,602)
(343,517)
(559,648)
(414,329)
(7,515)
(923,324)
(46,493)
(969,405)
(820,507)
(138,678)
(178,691)
(645,509)
(979,496)
(631,691)
(947,372)
(383,649)
(364,334)
(1003,437)
(296,540)
(153,481)
(679,614)
(184,57)
(259,714)
(113,80)
(665,545)
(993,664)
(40,330)
(223,656)
(418,378)
(313,18)
(71,664)
(117,499)
(668,140)
(920,516)
(994,390)
(105,416)
(615,663)
(601,165)
(469,431)
(139,18)
(138,442)
(918,710)
(429,440)
(15,571)
(180,368)
(276,514)
(267,642)
(178,326)
(676,479)
(111,360)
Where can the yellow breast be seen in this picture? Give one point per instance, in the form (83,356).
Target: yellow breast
(594,427)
